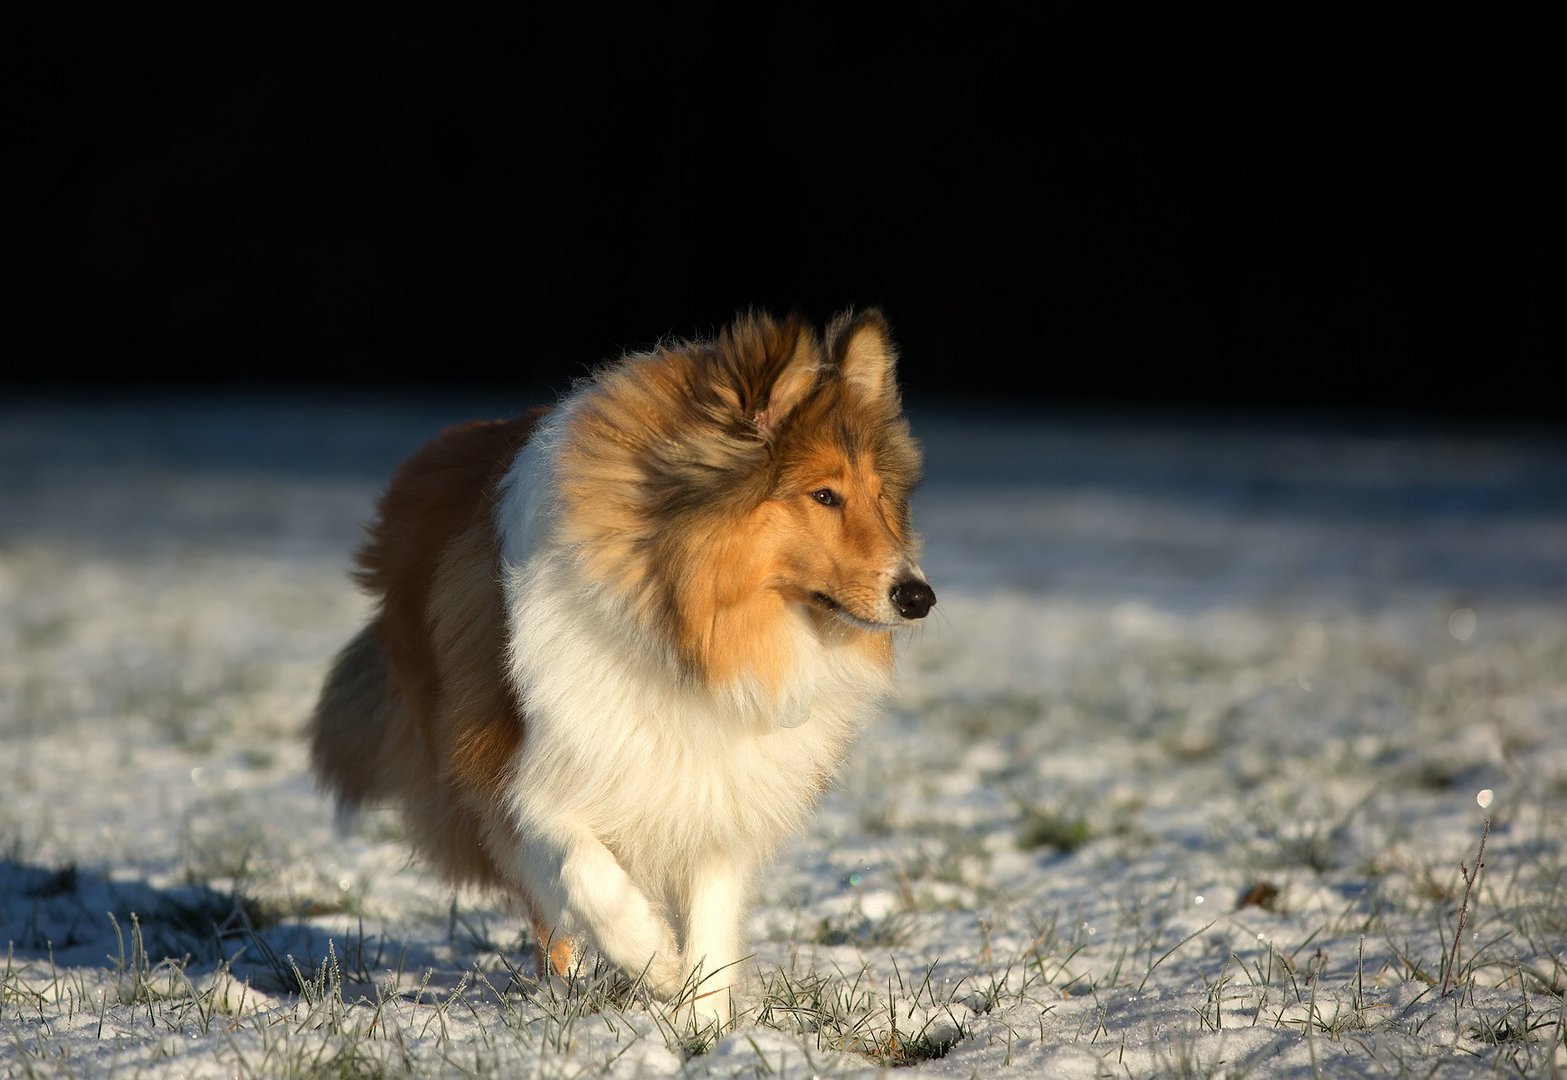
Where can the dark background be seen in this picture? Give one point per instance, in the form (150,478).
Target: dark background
(1065,203)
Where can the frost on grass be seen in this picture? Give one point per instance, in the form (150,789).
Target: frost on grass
(1179,781)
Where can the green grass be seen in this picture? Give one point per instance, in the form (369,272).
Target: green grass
(1049,829)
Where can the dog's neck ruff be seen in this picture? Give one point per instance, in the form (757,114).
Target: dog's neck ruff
(560,618)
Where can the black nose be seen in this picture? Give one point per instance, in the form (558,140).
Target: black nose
(913,598)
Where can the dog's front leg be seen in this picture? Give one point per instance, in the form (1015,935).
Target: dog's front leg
(574,883)
(714,910)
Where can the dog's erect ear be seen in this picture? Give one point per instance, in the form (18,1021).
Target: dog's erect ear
(861,347)
(795,380)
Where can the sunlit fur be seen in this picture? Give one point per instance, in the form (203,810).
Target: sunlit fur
(622,647)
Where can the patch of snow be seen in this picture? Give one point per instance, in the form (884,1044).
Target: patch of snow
(1179,778)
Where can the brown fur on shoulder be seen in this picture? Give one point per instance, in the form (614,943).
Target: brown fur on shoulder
(416,709)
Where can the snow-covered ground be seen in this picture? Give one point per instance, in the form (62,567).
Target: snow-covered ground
(1179,781)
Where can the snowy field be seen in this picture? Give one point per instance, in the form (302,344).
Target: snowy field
(1180,779)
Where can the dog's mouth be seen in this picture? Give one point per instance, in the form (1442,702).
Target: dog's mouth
(843,614)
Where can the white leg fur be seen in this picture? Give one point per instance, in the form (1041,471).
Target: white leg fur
(576,885)
(713,948)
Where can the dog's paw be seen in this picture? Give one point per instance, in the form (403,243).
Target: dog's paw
(646,950)
(665,973)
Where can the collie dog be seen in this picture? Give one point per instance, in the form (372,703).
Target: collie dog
(622,645)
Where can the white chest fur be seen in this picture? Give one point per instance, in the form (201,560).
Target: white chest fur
(665,772)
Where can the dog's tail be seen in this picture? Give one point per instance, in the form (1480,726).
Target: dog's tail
(358,722)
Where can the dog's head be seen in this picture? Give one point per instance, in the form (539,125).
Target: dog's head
(706,477)
(844,466)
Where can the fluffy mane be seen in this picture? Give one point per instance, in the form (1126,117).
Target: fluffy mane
(669,452)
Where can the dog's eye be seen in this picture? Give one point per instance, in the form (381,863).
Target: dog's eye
(826,496)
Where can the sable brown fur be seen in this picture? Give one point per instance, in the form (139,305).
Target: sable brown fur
(417,709)
(668,472)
